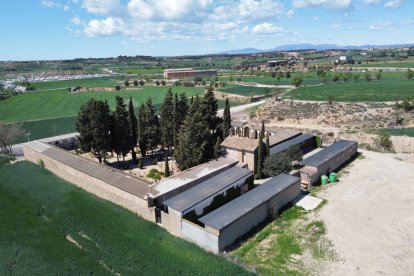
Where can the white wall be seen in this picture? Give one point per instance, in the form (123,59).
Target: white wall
(200,236)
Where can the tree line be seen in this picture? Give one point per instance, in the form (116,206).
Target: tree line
(191,127)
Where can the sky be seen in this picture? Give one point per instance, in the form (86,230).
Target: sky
(66,29)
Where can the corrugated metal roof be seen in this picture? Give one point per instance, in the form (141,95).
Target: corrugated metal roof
(295,141)
(114,177)
(328,153)
(227,214)
(206,189)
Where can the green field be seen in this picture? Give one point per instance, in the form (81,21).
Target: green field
(373,91)
(93,82)
(395,64)
(396,131)
(52,104)
(244,90)
(40,213)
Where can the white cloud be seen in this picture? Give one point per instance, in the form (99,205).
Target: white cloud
(372,2)
(101,7)
(316,18)
(49,4)
(329,4)
(393,4)
(382,26)
(266,28)
(76,20)
(106,27)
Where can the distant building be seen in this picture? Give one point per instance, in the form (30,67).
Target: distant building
(274,63)
(188,73)
(344,60)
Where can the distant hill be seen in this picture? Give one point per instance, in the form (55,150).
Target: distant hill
(320,47)
(241,51)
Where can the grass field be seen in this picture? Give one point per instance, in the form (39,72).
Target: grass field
(374,91)
(42,217)
(52,104)
(93,82)
(395,64)
(396,131)
(279,248)
(243,90)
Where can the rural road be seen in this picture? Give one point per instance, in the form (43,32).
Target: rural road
(240,108)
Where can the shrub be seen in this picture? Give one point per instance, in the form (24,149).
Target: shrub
(117,87)
(384,142)
(41,163)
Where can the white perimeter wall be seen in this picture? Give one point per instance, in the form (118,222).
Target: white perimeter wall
(200,236)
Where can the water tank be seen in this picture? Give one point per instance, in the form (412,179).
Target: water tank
(324,179)
(332,178)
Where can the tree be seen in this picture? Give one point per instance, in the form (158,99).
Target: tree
(117,87)
(142,82)
(217,148)
(384,142)
(142,139)
(294,153)
(133,129)
(378,75)
(166,117)
(166,167)
(136,83)
(335,78)
(209,108)
(331,99)
(157,82)
(193,140)
(152,130)
(226,119)
(409,74)
(260,154)
(180,109)
(368,76)
(276,164)
(93,125)
(297,81)
(8,134)
(126,83)
(267,145)
(121,129)
(288,74)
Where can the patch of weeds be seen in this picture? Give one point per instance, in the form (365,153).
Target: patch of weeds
(155,174)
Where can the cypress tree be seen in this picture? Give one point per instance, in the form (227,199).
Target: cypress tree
(142,140)
(151,130)
(209,108)
(217,148)
(133,129)
(267,145)
(194,139)
(93,125)
(122,143)
(260,155)
(175,119)
(167,115)
(167,169)
(226,119)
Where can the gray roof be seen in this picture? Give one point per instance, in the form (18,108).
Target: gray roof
(282,136)
(328,153)
(206,189)
(114,177)
(295,141)
(237,208)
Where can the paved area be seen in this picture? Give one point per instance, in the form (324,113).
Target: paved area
(369,217)
(308,202)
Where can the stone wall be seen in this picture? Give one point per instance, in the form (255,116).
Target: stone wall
(92,185)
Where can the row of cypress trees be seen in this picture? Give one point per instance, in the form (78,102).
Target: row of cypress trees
(192,128)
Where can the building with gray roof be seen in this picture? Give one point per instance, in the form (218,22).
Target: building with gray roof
(238,217)
(305,142)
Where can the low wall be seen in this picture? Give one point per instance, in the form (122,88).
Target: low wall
(200,236)
(92,185)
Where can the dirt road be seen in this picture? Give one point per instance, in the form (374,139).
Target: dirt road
(370,217)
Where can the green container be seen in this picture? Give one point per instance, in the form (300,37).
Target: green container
(332,178)
(324,180)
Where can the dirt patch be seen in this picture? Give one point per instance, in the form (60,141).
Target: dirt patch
(72,240)
(369,217)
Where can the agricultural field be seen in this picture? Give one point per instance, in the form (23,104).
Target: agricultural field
(382,90)
(62,230)
(64,84)
(59,103)
(245,90)
(396,131)
(394,64)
